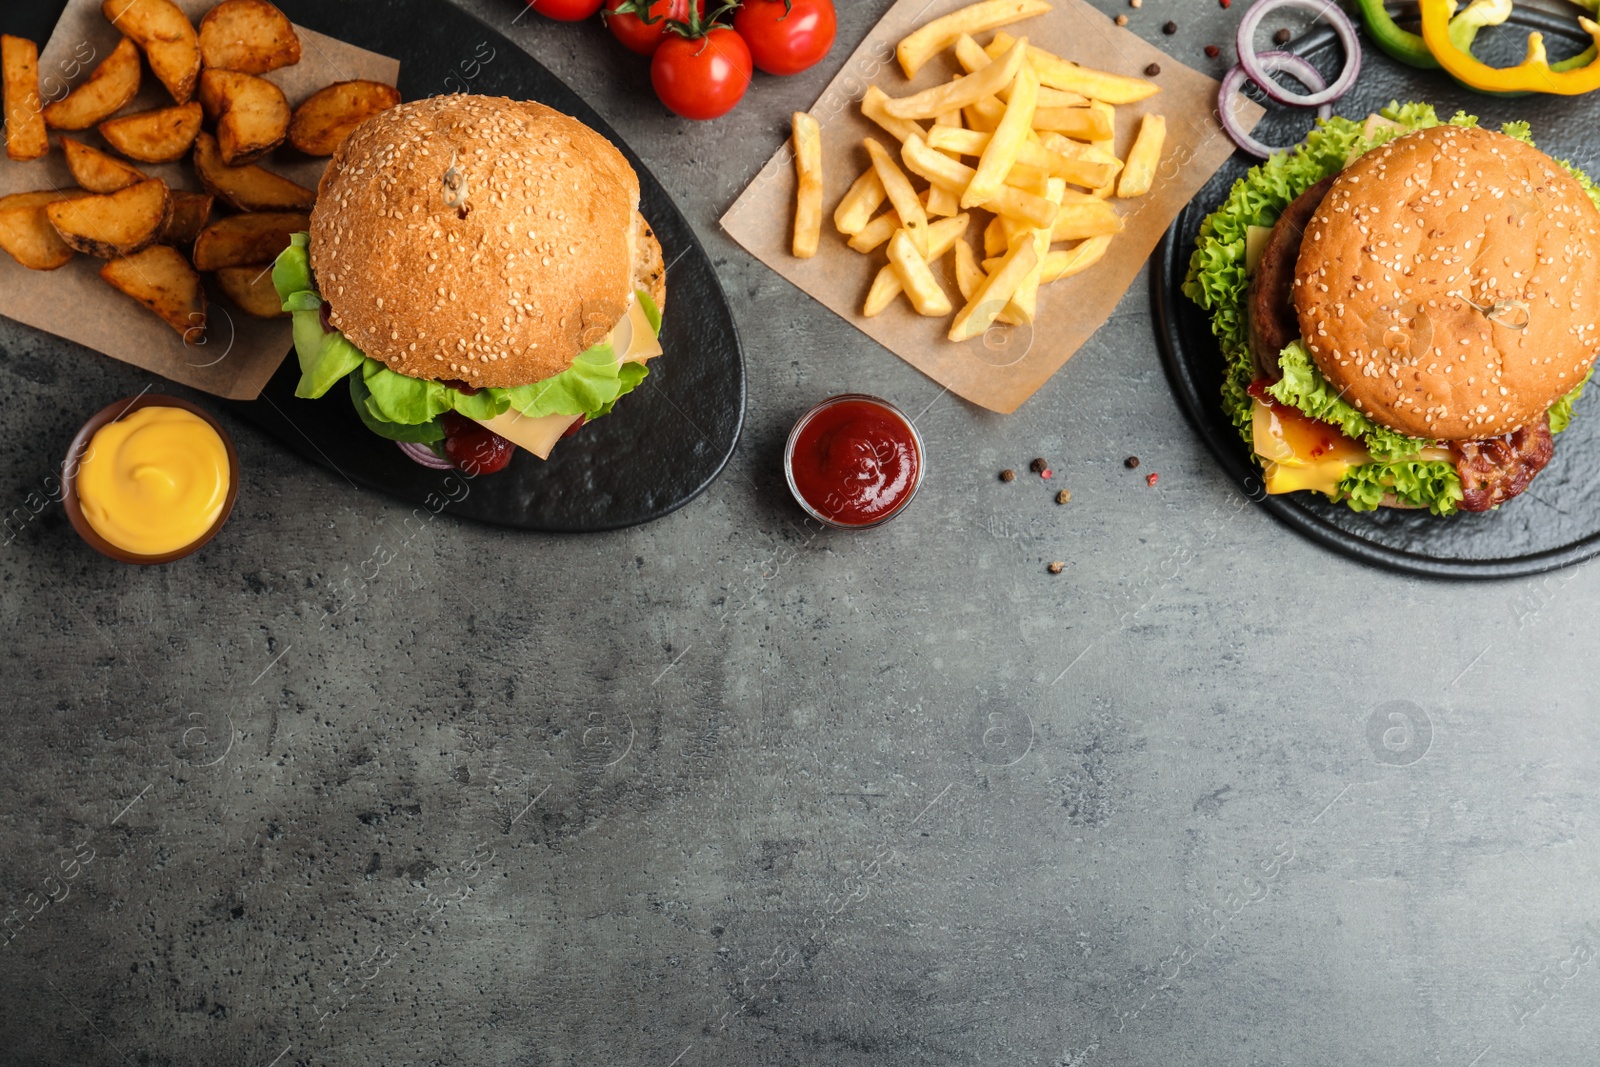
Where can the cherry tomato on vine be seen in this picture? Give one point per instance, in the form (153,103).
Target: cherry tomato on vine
(637,35)
(702,77)
(786,36)
(566,10)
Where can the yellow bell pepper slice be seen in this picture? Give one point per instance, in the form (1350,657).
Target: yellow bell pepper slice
(1532,75)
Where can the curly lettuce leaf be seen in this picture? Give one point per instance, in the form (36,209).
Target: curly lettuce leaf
(1561,410)
(1303,386)
(361,399)
(1431,484)
(590,387)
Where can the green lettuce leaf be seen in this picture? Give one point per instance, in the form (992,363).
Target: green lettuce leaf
(1303,386)
(1561,410)
(361,398)
(1431,484)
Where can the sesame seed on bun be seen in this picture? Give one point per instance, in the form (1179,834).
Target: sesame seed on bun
(481,239)
(1449,284)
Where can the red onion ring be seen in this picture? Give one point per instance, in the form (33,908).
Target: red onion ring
(1234,80)
(418,452)
(1251,60)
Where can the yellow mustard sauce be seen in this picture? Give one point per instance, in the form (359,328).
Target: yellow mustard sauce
(154,481)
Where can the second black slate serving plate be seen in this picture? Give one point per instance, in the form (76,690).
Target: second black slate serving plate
(665,443)
(1557,521)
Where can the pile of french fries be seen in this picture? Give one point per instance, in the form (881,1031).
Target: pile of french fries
(157,239)
(1039,132)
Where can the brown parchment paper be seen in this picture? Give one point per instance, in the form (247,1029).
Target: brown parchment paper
(240,353)
(1008,365)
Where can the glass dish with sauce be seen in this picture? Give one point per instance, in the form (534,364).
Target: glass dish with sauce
(150,479)
(854,461)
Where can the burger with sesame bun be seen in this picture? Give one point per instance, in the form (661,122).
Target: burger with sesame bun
(1407,308)
(478,273)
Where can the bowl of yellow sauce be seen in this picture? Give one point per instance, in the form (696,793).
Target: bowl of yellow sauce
(150,479)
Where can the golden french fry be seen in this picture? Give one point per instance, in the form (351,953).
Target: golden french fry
(972,57)
(913,216)
(162,280)
(251,36)
(857,206)
(109,86)
(941,236)
(1086,172)
(26,233)
(1069,77)
(98,171)
(808,198)
(876,232)
(1080,123)
(942,202)
(166,36)
(1029,179)
(970,54)
(921,287)
(1024,306)
(1140,170)
(885,287)
(929,40)
(986,114)
(963,91)
(873,106)
(1000,154)
(1109,147)
(26,137)
(326,117)
(995,293)
(1058,265)
(1077,221)
(968,274)
(995,239)
(940,169)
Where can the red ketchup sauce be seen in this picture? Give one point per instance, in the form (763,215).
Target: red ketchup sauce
(854,461)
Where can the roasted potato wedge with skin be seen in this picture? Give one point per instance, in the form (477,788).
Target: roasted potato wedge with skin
(26,233)
(248,188)
(96,171)
(26,137)
(163,281)
(251,113)
(244,239)
(251,288)
(109,87)
(326,117)
(116,224)
(250,36)
(191,212)
(159,136)
(162,31)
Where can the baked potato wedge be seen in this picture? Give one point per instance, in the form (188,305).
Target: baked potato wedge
(114,224)
(97,171)
(326,117)
(109,87)
(158,136)
(163,281)
(26,233)
(162,31)
(250,36)
(248,188)
(190,214)
(251,114)
(240,240)
(26,137)
(251,288)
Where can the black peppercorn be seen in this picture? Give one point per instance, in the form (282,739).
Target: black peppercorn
(1039,466)
(1283,36)
(1008,475)
(1131,462)
(1170,28)
(1152,70)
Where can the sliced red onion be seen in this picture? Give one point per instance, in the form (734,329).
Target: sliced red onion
(1234,80)
(417,452)
(1251,60)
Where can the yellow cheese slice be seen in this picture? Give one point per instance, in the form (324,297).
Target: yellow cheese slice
(633,338)
(1302,453)
(538,436)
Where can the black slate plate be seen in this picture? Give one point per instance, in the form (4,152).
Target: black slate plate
(666,442)
(1556,522)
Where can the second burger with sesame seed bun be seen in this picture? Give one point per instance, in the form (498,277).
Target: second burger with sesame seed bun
(478,272)
(1408,308)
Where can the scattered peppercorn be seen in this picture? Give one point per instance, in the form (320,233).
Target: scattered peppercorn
(1057,567)
(1152,70)
(1131,462)
(1064,497)
(1135,3)
(1170,28)
(1008,475)
(1151,478)
(1283,36)
(1213,51)
(1038,465)
(1122,20)
(1047,473)
(1224,3)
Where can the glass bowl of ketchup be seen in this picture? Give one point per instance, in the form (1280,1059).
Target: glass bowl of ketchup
(854,461)
(150,479)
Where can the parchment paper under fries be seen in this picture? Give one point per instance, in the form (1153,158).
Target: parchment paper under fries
(241,353)
(1008,364)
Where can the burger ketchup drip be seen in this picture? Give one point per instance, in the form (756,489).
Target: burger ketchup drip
(855,462)
(1322,437)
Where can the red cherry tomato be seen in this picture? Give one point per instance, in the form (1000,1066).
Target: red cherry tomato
(643,37)
(704,77)
(787,40)
(566,10)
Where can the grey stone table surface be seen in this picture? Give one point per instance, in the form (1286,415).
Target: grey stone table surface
(726,790)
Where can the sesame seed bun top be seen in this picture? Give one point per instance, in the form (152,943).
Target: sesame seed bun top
(502,288)
(1421,261)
